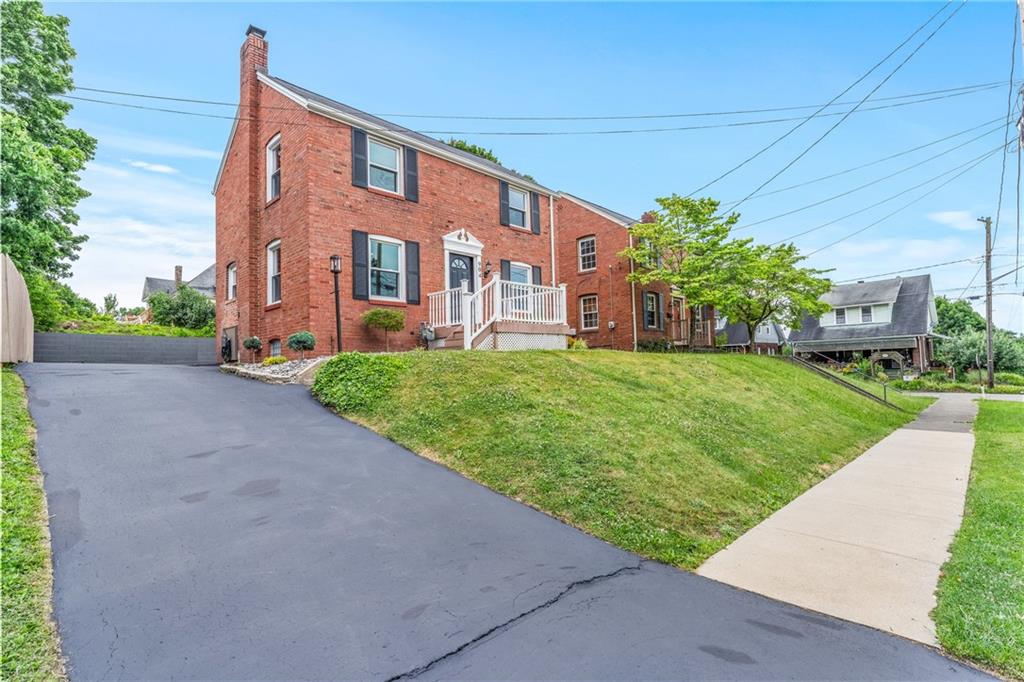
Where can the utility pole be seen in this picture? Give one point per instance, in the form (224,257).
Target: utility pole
(989,360)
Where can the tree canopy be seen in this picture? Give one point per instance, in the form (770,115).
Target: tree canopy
(41,155)
(957,317)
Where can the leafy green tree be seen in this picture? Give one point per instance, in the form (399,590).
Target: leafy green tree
(387,319)
(967,351)
(110,304)
(766,283)
(184,308)
(685,243)
(474,149)
(956,317)
(41,156)
(301,342)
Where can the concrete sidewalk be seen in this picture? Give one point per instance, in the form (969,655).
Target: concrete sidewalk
(867,543)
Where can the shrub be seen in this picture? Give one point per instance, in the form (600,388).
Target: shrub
(655,346)
(968,350)
(576,343)
(185,308)
(302,341)
(1010,378)
(385,318)
(274,360)
(351,382)
(253,345)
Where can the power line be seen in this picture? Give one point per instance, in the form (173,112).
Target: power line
(1009,115)
(897,272)
(397,128)
(820,109)
(847,115)
(889,198)
(956,92)
(969,283)
(876,161)
(901,208)
(869,184)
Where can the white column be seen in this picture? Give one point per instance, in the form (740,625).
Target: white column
(467,314)
(563,312)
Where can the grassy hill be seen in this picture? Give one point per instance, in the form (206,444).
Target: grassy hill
(670,456)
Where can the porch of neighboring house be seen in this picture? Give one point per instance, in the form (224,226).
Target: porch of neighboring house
(897,357)
(692,327)
(501,315)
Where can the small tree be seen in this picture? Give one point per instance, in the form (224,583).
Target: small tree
(253,345)
(302,341)
(185,308)
(387,319)
(110,304)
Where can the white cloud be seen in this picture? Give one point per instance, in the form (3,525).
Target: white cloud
(153,146)
(958,220)
(152,167)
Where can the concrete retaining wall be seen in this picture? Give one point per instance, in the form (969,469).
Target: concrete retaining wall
(149,350)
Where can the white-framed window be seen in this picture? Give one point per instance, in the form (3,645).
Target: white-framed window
(385,164)
(275,347)
(588,312)
(520,273)
(518,211)
(840,315)
(651,311)
(274,272)
(865,313)
(274,168)
(232,281)
(586,249)
(386,267)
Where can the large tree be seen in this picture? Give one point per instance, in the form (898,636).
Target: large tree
(957,317)
(41,155)
(686,244)
(768,284)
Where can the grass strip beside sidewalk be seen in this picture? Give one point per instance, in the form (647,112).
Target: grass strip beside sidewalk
(980,612)
(30,647)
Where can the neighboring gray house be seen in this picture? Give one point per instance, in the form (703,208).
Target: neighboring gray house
(768,337)
(205,283)
(889,320)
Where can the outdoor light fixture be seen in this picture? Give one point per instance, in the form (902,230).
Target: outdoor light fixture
(336,269)
(487,269)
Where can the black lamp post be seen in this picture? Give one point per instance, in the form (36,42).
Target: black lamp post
(336,269)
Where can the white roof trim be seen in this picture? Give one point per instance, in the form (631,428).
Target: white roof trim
(398,137)
(593,209)
(227,148)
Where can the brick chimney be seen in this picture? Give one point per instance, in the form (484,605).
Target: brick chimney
(254,53)
(177,275)
(253,62)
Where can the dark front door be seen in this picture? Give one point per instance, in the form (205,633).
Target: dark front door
(460,268)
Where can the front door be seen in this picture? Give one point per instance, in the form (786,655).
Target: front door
(460,268)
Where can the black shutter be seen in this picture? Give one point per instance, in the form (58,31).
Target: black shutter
(412,272)
(360,266)
(412,175)
(661,311)
(506,270)
(643,307)
(537,275)
(360,167)
(535,212)
(503,202)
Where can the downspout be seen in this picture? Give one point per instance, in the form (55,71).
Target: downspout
(632,294)
(551,224)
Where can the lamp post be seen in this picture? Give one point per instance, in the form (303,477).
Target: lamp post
(336,270)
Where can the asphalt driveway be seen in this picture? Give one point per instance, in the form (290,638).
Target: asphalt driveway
(209,527)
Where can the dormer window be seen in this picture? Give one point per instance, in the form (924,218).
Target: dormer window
(840,315)
(865,313)
(384,165)
(274,168)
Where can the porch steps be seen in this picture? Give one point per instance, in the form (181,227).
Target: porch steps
(806,364)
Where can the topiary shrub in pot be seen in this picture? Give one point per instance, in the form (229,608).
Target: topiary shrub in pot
(387,319)
(301,342)
(253,345)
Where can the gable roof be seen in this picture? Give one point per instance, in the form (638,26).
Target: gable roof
(863,293)
(154,285)
(736,334)
(913,312)
(205,283)
(325,106)
(614,216)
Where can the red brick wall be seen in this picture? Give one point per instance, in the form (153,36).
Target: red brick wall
(316,214)
(608,281)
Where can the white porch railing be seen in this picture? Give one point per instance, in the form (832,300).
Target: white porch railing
(497,300)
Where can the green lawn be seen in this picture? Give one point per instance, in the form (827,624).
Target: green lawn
(102,325)
(672,456)
(30,647)
(980,612)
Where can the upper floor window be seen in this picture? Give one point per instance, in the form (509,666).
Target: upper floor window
(384,164)
(274,168)
(865,313)
(587,251)
(588,312)
(517,211)
(232,286)
(386,268)
(274,272)
(840,315)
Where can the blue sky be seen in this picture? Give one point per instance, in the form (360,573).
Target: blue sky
(151,206)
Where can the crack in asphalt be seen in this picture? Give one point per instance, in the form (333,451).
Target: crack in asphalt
(409,674)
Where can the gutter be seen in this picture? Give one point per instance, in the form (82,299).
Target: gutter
(632,295)
(551,228)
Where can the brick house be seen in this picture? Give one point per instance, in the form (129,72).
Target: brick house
(467,249)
